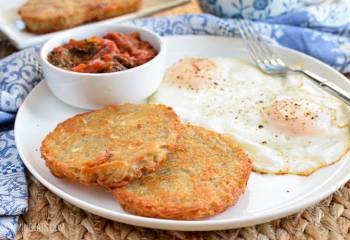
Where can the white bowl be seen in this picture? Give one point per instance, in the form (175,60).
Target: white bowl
(94,90)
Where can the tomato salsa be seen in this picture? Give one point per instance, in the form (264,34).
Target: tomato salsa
(111,53)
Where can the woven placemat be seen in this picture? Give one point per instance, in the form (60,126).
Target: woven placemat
(50,217)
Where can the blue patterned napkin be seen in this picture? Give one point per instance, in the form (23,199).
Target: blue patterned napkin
(323,32)
(19,73)
(320,31)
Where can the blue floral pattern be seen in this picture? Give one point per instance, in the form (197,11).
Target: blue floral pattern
(8,227)
(19,73)
(300,30)
(320,31)
(13,186)
(260,4)
(250,9)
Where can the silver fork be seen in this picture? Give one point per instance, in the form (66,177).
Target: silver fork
(264,58)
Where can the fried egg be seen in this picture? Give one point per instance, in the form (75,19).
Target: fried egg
(285,123)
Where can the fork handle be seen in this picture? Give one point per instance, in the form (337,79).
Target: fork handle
(328,86)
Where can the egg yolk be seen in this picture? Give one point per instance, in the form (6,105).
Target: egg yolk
(298,117)
(192,73)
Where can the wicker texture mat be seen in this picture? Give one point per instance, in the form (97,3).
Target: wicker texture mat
(50,217)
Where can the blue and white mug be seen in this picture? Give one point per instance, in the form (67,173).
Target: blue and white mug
(250,9)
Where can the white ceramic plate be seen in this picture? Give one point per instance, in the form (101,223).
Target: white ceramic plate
(12,25)
(267,197)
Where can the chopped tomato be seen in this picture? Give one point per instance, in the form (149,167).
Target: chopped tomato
(113,52)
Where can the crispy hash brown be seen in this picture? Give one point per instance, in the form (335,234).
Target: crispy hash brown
(203,176)
(42,16)
(111,146)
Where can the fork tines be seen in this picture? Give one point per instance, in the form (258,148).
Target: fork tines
(258,49)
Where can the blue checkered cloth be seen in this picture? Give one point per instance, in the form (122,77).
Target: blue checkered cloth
(322,32)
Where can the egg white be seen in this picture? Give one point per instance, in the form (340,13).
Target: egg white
(233,101)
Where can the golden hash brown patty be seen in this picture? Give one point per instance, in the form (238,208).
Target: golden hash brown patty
(111,146)
(203,176)
(42,16)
